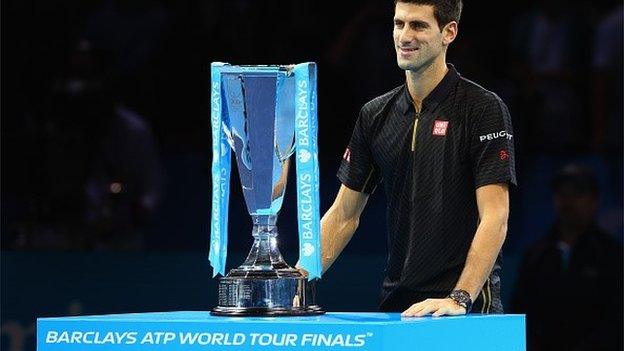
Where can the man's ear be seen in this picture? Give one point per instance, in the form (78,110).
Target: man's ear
(449,32)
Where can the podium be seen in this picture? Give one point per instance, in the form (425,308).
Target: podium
(332,331)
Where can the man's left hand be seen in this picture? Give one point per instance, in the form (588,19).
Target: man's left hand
(435,307)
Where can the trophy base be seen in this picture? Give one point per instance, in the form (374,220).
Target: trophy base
(282,292)
(265,312)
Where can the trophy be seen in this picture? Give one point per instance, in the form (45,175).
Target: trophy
(265,114)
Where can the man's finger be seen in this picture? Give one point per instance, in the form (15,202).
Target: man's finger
(441,312)
(456,311)
(426,310)
(412,309)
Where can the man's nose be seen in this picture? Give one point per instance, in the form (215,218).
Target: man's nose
(406,36)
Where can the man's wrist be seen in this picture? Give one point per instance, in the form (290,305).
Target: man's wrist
(474,294)
(461,298)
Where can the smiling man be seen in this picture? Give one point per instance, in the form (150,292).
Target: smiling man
(442,148)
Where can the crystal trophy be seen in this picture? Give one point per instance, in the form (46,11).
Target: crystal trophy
(263,114)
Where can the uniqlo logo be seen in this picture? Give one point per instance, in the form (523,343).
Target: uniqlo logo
(439,127)
(347,155)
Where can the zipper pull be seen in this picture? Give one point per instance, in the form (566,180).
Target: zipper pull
(414,131)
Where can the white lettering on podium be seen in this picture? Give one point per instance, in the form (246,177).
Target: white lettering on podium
(333,340)
(91,337)
(266,340)
(204,339)
(51,337)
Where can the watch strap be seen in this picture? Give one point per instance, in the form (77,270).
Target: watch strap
(462,298)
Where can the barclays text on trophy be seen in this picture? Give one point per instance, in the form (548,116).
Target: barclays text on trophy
(265,114)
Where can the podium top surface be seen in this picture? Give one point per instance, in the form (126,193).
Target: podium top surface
(328,318)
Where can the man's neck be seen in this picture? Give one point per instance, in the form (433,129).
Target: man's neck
(421,83)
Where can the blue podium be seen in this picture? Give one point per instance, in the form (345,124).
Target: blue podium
(332,331)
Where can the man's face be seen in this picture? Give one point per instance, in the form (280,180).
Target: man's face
(417,36)
(576,209)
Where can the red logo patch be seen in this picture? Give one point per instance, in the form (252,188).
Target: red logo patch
(347,155)
(503,155)
(439,127)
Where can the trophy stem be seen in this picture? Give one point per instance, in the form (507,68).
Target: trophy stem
(264,254)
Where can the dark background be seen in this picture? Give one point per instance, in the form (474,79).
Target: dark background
(106,137)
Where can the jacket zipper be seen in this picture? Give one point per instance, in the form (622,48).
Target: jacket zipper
(415,130)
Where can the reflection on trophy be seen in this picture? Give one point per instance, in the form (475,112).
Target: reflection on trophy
(257,113)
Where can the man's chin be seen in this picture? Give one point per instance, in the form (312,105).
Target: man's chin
(407,66)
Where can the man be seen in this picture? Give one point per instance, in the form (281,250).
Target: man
(443,146)
(576,264)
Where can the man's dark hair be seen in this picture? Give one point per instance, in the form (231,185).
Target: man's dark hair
(444,11)
(575,180)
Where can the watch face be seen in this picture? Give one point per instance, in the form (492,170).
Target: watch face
(461,297)
(460,301)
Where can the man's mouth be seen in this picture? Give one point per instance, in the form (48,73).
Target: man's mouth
(406,51)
